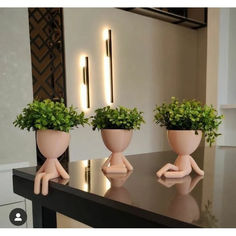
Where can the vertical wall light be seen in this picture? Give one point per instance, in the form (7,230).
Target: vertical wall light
(85,97)
(108,67)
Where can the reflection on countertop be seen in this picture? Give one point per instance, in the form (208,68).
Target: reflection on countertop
(183,206)
(117,191)
(208,201)
(188,198)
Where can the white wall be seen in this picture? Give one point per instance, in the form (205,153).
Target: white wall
(232,57)
(221,81)
(153,60)
(15,85)
(228,95)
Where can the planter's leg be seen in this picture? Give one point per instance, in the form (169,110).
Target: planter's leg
(165,168)
(45,180)
(37,182)
(175,174)
(42,216)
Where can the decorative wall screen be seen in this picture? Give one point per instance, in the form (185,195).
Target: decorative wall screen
(47,57)
(47,52)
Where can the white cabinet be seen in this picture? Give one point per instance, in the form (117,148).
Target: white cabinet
(9,200)
(6,194)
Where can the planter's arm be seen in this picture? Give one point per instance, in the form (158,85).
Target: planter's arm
(196,167)
(61,170)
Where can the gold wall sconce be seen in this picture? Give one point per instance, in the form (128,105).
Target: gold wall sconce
(108,66)
(84,62)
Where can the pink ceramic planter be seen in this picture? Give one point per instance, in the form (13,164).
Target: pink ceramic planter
(184,143)
(52,144)
(116,140)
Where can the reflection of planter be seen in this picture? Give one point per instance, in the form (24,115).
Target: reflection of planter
(183,206)
(117,191)
(116,140)
(184,143)
(51,144)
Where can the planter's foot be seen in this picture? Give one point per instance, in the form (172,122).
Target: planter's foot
(122,165)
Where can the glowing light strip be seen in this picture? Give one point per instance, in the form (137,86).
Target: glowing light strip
(85,99)
(108,67)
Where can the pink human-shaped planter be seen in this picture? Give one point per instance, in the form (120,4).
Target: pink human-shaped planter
(51,144)
(116,140)
(117,191)
(183,206)
(184,143)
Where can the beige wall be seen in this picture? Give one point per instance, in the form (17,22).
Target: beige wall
(153,60)
(212,56)
(15,85)
(201,64)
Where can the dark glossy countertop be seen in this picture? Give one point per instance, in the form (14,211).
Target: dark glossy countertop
(208,201)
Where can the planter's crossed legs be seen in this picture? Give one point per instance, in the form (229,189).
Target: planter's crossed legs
(45,177)
(122,166)
(183,168)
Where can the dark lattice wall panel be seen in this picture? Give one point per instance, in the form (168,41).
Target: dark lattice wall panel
(47,57)
(47,52)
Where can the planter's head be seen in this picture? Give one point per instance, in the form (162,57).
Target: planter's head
(47,114)
(189,115)
(117,118)
(52,143)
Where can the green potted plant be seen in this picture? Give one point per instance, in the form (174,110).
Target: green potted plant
(52,122)
(117,127)
(185,122)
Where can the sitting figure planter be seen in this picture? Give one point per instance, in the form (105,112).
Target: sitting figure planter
(185,122)
(116,127)
(52,122)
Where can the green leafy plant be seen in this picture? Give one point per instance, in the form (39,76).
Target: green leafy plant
(118,118)
(46,114)
(189,115)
